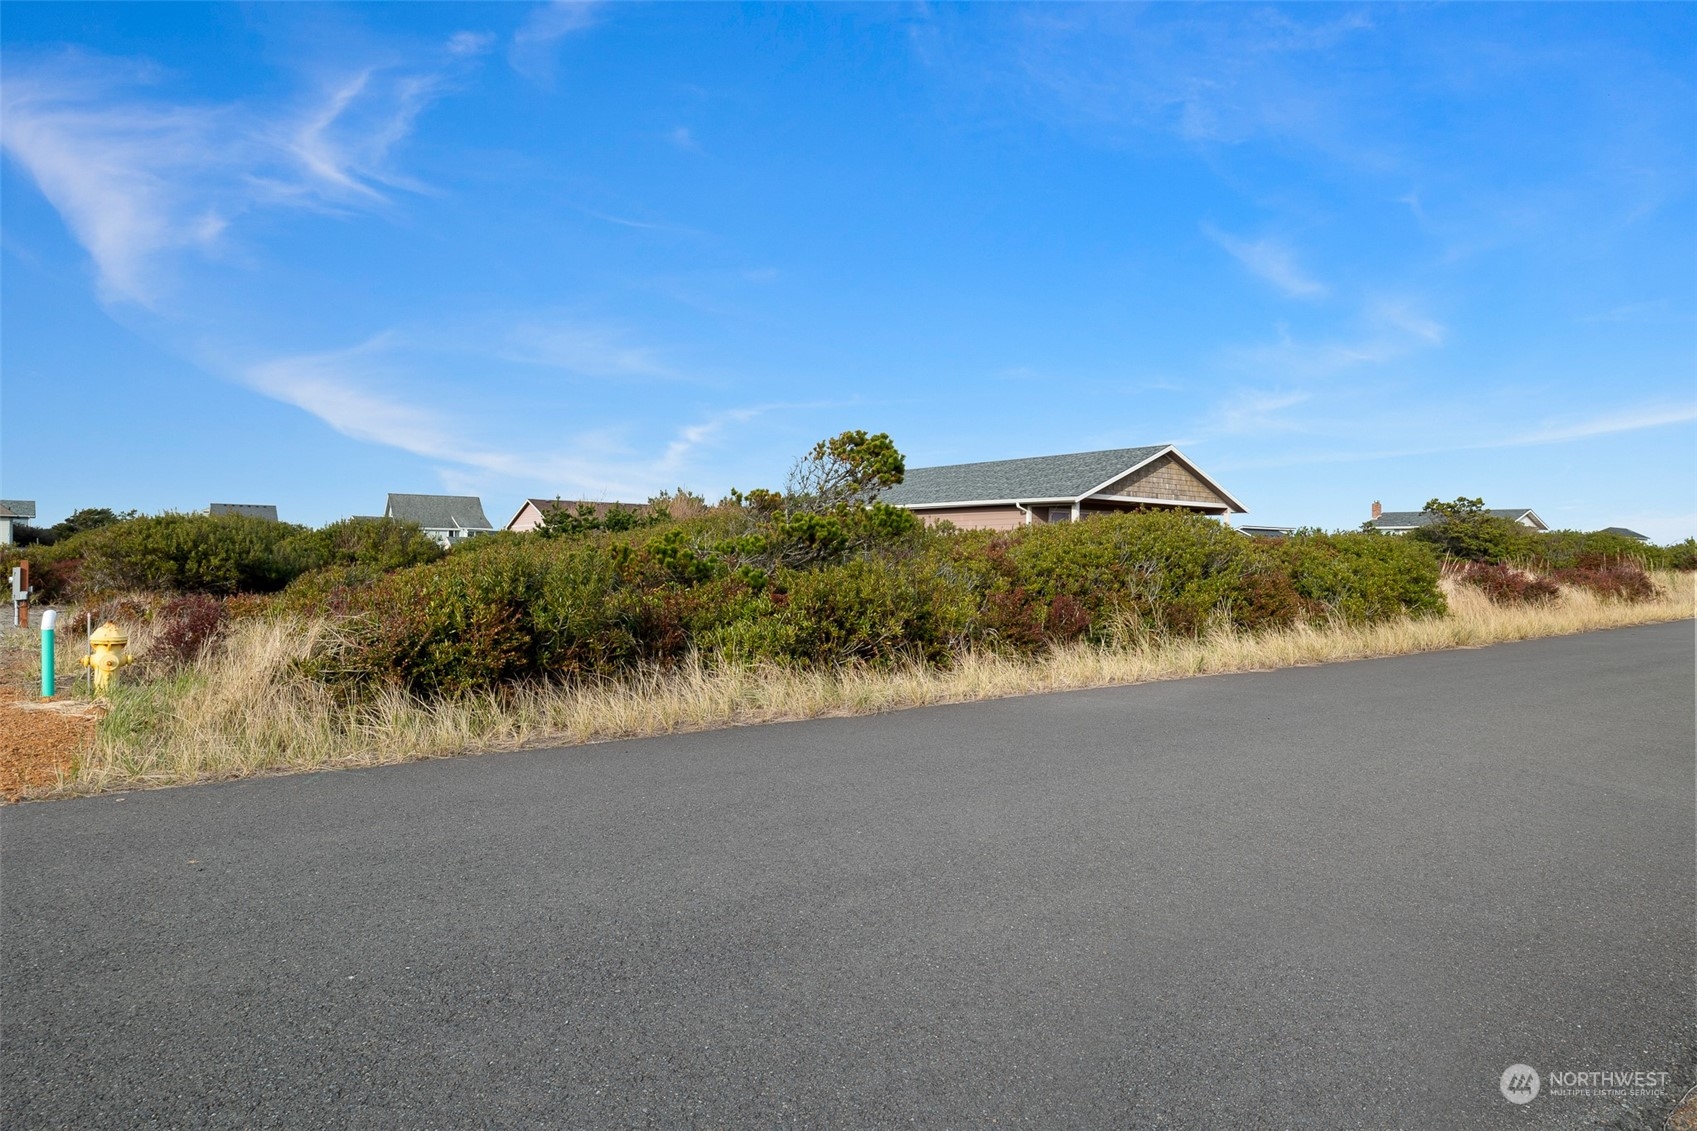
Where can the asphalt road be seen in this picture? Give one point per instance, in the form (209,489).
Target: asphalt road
(1341,896)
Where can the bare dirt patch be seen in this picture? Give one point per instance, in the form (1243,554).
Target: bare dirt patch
(39,741)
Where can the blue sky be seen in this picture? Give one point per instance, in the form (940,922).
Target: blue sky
(308,255)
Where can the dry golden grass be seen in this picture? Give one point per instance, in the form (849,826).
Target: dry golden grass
(245,710)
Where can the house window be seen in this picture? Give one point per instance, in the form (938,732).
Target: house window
(1060,514)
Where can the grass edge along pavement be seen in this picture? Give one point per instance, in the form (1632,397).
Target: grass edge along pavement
(244,710)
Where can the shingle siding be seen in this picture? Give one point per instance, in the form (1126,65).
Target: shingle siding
(1166,478)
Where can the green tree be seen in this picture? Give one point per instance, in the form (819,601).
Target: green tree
(848,470)
(90,518)
(1463,528)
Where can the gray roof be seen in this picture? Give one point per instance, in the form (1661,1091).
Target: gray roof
(1037,478)
(17,508)
(546,505)
(1625,533)
(1400,519)
(251,510)
(439,512)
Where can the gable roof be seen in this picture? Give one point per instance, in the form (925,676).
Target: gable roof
(1062,478)
(1407,520)
(547,506)
(251,510)
(17,508)
(438,512)
(1625,533)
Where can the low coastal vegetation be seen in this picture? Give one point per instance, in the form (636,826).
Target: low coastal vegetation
(263,647)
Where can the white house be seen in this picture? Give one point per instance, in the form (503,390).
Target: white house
(14,511)
(449,519)
(1401,522)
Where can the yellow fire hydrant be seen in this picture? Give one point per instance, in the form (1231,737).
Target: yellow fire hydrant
(106,655)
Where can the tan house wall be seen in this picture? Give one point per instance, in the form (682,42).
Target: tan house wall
(976,518)
(1166,478)
(528,518)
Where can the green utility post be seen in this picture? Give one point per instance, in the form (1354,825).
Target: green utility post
(47,655)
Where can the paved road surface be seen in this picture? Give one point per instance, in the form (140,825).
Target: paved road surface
(1344,896)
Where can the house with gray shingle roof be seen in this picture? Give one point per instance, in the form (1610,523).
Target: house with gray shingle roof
(1623,532)
(14,512)
(1003,494)
(1401,522)
(449,519)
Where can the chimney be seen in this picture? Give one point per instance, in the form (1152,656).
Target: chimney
(1377,510)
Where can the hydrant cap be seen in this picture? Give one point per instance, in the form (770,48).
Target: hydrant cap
(108,634)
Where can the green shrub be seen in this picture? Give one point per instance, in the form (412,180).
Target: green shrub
(183,553)
(874,611)
(1563,549)
(1161,571)
(375,545)
(1361,577)
(1680,556)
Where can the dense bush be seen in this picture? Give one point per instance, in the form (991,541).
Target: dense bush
(600,604)
(1505,585)
(183,553)
(1563,549)
(1680,556)
(216,554)
(375,545)
(1612,579)
(1163,571)
(187,626)
(1463,529)
(1362,577)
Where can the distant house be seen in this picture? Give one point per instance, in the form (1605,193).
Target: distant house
(449,519)
(531,514)
(249,510)
(1003,494)
(1625,533)
(1266,531)
(14,511)
(1401,522)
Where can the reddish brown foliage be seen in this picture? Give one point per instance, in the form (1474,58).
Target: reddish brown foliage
(1505,585)
(1610,579)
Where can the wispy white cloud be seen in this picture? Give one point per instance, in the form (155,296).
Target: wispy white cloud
(1259,411)
(1615,422)
(1405,317)
(378,391)
(1652,310)
(683,139)
(1385,330)
(1209,78)
(1604,424)
(532,52)
(470,43)
(136,175)
(592,351)
(1271,260)
(344,140)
